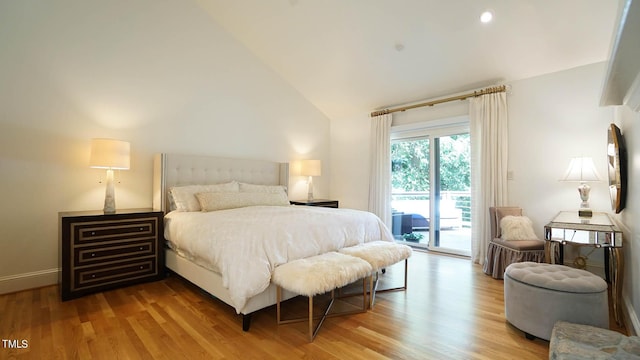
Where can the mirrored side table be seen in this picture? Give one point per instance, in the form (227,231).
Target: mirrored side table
(598,231)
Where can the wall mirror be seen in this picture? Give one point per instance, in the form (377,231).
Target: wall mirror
(617,168)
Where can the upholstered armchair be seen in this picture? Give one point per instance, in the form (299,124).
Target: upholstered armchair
(502,252)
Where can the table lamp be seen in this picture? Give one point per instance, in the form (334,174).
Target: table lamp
(582,170)
(111,155)
(310,168)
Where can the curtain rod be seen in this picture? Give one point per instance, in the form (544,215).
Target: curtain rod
(489,90)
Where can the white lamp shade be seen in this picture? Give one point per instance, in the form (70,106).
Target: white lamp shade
(109,154)
(581,169)
(310,168)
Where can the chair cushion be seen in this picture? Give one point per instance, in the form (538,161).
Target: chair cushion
(521,245)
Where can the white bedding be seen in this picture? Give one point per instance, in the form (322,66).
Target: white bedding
(245,244)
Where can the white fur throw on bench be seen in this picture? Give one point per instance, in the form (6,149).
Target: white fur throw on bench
(379,254)
(321,273)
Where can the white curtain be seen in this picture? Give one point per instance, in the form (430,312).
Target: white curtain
(380,177)
(489,141)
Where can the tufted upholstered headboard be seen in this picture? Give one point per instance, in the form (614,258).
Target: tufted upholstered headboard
(175,170)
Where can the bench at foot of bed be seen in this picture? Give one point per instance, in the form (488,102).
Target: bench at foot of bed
(381,254)
(318,275)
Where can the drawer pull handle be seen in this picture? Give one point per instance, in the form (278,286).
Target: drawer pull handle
(93,254)
(93,275)
(141,267)
(93,233)
(141,248)
(141,229)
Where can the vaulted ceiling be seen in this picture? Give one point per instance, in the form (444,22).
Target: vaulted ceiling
(349,57)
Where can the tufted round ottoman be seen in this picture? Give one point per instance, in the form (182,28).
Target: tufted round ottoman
(537,295)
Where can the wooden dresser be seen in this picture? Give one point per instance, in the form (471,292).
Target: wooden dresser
(100,252)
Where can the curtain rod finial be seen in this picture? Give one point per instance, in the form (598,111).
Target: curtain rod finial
(379,112)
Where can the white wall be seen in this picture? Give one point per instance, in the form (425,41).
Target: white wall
(553,118)
(350,161)
(630,126)
(161,75)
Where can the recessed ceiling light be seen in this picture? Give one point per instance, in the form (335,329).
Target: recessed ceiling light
(486,16)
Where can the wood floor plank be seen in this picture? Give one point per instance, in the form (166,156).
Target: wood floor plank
(451,311)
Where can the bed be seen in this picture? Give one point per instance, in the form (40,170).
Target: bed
(287,232)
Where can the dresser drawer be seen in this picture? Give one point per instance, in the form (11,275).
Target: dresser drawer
(111,252)
(91,232)
(113,273)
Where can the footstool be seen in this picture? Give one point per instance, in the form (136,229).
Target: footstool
(573,341)
(537,295)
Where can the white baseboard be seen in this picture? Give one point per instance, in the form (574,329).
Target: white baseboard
(31,280)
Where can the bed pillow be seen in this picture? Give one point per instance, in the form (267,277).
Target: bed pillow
(255,188)
(184,197)
(212,201)
(517,228)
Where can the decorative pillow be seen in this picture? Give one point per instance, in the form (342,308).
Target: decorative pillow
(517,228)
(212,201)
(184,197)
(503,211)
(255,188)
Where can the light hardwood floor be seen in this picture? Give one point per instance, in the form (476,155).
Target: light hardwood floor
(450,311)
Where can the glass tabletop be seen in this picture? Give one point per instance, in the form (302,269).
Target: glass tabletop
(598,230)
(598,218)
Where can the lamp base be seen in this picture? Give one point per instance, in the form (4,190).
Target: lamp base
(585,210)
(585,213)
(310,189)
(110,195)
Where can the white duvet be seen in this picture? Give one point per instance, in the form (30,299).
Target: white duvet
(245,245)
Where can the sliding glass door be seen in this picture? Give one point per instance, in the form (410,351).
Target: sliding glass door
(431,184)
